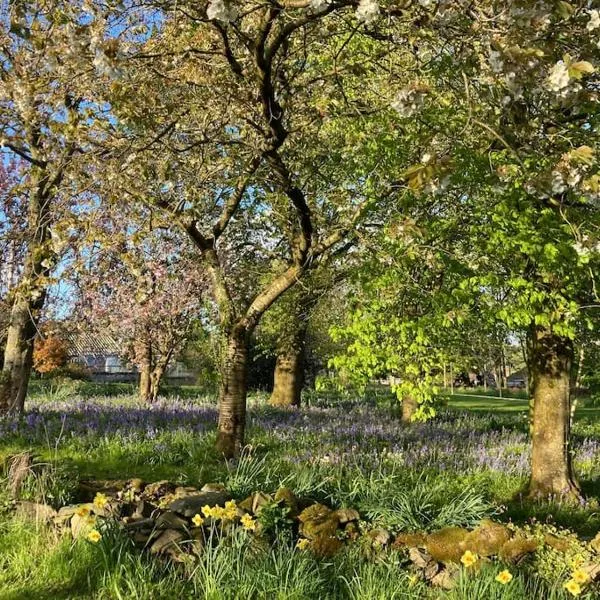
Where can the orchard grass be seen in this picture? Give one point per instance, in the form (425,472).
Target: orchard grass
(465,465)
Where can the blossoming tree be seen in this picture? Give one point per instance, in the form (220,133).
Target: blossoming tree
(137,286)
(48,56)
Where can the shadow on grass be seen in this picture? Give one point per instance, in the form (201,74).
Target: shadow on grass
(74,590)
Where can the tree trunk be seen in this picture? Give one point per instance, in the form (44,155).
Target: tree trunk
(155,381)
(409,407)
(146,374)
(28,302)
(288,379)
(232,393)
(551,466)
(18,353)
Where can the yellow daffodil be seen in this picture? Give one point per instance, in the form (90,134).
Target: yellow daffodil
(469,558)
(302,544)
(100,501)
(82,511)
(206,511)
(572,587)
(504,577)
(230,510)
(248,523)
(580,576)
(217,512)
(94,536)
(197,520)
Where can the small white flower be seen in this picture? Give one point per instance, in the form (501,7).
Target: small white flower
(558,80)
(426,158)
(573,177)
(408,102)
(495,61)
(318,6)
(581,249)
(425,3)
(218,10)
(594,22)
(513,87)
(368,11)
(558,184)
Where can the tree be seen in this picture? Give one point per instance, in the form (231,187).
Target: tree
(49,53)
(523,177)
(50,353)
(232,130)
(138,287)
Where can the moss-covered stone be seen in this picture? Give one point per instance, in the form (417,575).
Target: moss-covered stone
(326,546)
(514,550)
(487,539)
(410,540)
(446,545)
(286,497)
(318,521)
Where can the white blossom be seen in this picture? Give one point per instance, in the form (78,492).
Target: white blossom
(105,66)
(495,61)
(367,11)
(318,6)
(573,177)
(558,183)
(581,249)
(408,102)
(558,80)
(219,10)
(425,3)
(513,87)
(594,22)
(426,158)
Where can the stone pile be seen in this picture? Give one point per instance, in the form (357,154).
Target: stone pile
(176,523)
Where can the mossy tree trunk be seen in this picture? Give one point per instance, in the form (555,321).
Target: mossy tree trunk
(409,407)
(145,373)
(550,359)
(232,394)
(27,302)
(156,378)
(288,378)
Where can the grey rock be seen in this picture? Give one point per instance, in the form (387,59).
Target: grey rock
(167,539)
(213,487)
(170,520)
(188,506)
(33,511)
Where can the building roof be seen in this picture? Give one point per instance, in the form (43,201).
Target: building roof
(92,344)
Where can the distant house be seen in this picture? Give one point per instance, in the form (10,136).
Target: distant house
(102,356)
(518,379)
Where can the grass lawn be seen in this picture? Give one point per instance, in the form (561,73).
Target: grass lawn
(468,463)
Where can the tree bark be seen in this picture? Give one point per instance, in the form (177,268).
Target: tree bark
(551,465)
(232,393)
(409,407)
(18,353)
(145,374)
(288,378)
(28,301)
(155,381)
